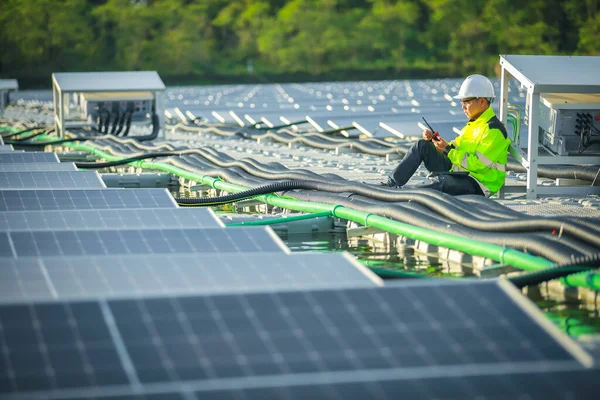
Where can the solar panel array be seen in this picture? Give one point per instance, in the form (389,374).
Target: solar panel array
(111,293)
(353,340)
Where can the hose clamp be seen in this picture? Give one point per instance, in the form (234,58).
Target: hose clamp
(502,255)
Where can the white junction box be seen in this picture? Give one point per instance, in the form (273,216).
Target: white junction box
(565,118)
(139,104)
(107,99)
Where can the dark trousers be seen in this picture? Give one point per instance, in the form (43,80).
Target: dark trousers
(424,151)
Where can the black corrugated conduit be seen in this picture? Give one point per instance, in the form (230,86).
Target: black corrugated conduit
(551,248)
(552,226)
(580,264)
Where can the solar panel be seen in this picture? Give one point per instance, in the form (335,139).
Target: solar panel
(28,157)
(51,180)
(146,241)
(419,329)
(420,340)
(67,278)
(109,219)
(6,148)
(26,200)
(27,167)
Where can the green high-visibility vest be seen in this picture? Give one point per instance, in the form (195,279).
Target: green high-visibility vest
(482,150)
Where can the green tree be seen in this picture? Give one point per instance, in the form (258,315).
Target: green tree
(37,37)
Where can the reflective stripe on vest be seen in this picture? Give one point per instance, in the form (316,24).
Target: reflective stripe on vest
(489,163)
(465,161)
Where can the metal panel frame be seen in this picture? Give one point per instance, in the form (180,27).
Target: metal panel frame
(568,74)
(64,84)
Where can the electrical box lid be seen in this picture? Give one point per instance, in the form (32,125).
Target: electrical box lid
(556,73)
(108,81)
(571,101)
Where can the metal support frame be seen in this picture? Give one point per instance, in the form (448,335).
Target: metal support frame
(6,86)
(65,84)
(548,74)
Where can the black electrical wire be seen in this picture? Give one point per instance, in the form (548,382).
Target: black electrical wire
(266,128)
(23,139)
(93,165)
(151,136)
(125,121)
(115,123)
(560,270)
(104,120)
(21,132)
(246,194)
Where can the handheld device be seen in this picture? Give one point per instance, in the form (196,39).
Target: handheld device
(436,136)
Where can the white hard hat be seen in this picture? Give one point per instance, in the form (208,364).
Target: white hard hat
(476,86)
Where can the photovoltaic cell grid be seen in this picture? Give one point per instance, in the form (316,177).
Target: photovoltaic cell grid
(140,241)
(51,180)
(28,157)
(31,167)
(57,346)
(75,278)
(420,334)
(109,219)
(31,200)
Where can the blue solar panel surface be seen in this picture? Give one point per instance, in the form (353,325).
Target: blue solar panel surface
(141,241)
(84,199)
(142,218)
(41,166)
(28,157)
(370,342)
(51,180)
(74,278)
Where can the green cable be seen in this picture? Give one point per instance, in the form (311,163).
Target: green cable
(282,220)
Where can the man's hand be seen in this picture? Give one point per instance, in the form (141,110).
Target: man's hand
(440,144)
(438,141)
(428,135)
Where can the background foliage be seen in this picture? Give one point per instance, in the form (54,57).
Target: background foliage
(205,41)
